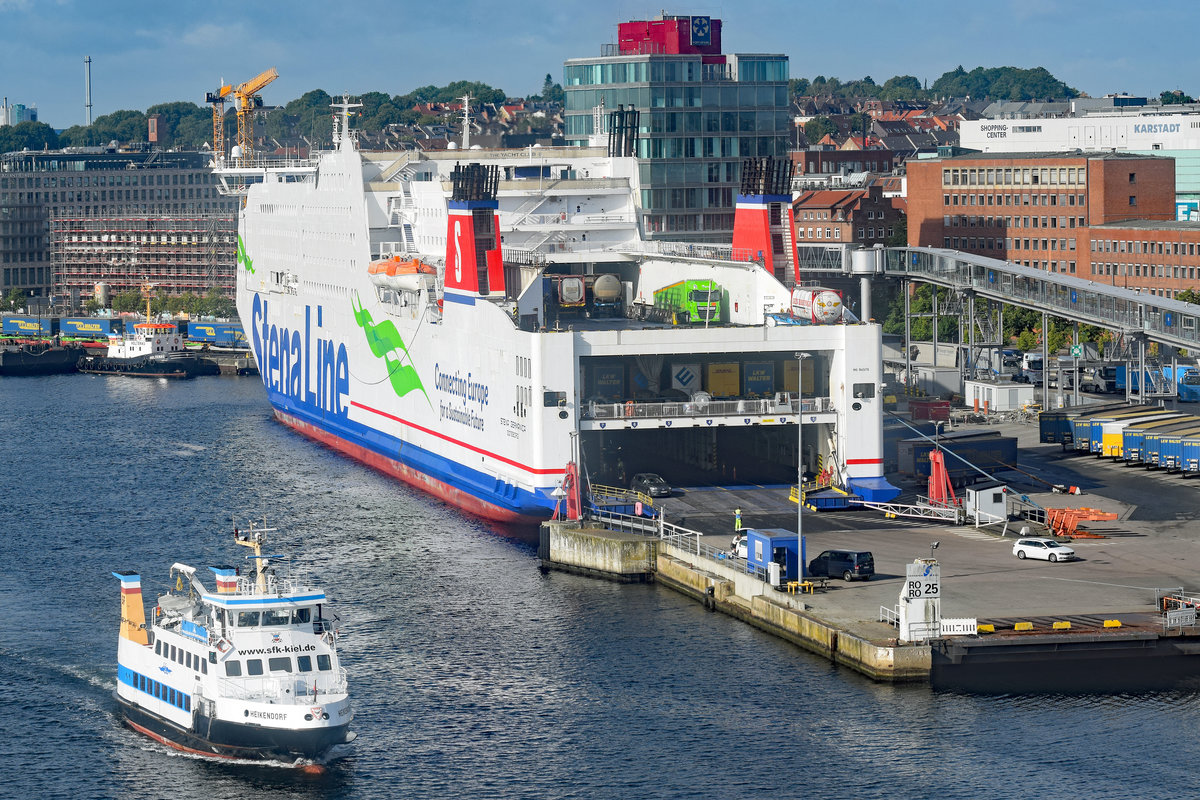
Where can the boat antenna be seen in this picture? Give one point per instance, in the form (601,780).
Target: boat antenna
(254,538)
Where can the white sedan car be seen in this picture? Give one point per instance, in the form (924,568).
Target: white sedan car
(1047,549)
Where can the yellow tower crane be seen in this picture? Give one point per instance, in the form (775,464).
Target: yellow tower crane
(217,101)
(247,101)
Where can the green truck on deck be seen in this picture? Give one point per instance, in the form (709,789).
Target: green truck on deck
(690,301)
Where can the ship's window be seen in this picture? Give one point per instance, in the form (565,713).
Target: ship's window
(323,663)
(283,664)
(233,669)
(204,666)
(141,682)
(187,660)
(276,616)
(187,703)
(247,619)
(157,690)
(254,666)
(174,654)
(304,663)
(170,696)
(158,648)
(301,616)
(864,390)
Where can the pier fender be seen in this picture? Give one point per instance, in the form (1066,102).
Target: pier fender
(710,598)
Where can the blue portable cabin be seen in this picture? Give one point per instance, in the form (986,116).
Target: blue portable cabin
(20,326)
(1170,448)
(95,329)
(1136,438)
(778,545)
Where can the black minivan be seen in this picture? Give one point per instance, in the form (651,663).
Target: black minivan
(849,564)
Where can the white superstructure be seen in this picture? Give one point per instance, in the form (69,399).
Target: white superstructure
(248,670)
(483,384)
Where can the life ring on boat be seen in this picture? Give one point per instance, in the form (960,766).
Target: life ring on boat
(222,646)
(629,408)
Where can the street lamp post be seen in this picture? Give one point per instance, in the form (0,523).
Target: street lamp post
(800,567)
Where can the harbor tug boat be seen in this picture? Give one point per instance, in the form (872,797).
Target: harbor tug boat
(153,350)
(249,671)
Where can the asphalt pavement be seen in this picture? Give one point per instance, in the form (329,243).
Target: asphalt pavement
(1154,543)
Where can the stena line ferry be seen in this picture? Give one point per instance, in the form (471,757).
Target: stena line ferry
(487,325)
(248,671)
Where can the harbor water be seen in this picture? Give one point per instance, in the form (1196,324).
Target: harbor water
(472,674)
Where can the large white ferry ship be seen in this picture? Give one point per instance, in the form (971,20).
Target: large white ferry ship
(480,324)
(247,671)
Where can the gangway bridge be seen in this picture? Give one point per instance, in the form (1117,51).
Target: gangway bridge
(1134,317)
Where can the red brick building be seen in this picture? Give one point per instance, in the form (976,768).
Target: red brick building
(1161,258)
(1035,209)
(845,216)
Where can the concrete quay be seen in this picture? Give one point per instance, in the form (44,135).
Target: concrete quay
(1154,544)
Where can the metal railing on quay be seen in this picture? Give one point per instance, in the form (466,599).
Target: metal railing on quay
(675,535)
(889,616)
(711,408)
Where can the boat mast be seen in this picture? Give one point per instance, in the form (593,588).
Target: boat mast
(254,539)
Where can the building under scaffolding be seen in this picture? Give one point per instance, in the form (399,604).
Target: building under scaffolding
(179,254)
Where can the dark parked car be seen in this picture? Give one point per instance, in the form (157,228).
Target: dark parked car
(848,564)
(650,484)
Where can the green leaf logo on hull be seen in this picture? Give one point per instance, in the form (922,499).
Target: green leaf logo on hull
(385,342)
(243,260)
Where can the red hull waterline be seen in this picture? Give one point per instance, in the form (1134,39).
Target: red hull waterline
(419,480)
(169,743)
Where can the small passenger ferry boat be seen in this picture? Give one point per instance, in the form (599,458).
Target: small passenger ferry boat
(249,670)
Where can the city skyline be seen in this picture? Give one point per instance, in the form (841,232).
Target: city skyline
(177,52)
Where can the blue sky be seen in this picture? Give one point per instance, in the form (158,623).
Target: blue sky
(147,53)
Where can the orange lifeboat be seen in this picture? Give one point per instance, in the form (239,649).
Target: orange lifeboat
(401,274)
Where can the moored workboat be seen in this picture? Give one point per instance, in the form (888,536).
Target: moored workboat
(249,670)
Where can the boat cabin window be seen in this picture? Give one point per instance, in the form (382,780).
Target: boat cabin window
(323,663)
(174,654)
(301,616)
(187,660)
(203,666)
(304,663)
(283,664)
(233,669)
(247,619)
(276,616)
(254,666)
(158,647)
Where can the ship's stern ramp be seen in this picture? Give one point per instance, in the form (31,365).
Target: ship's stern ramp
(720,404)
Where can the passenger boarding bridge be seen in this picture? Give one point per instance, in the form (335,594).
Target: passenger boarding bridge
(1134,317)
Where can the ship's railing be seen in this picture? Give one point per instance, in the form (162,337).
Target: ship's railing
(574,220)
(288,689)
(296,583)
(712,252)
(710,408)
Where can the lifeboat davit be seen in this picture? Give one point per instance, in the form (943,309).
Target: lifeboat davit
(401,274)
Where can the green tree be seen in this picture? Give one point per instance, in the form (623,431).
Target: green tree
(1188,296)
(798,87)
(14,300)
(1002,83)
(1176,97)
(818,128)
(551,91)
(898,237)
(901,87)
(27,135)
(128,301)
(216,304)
